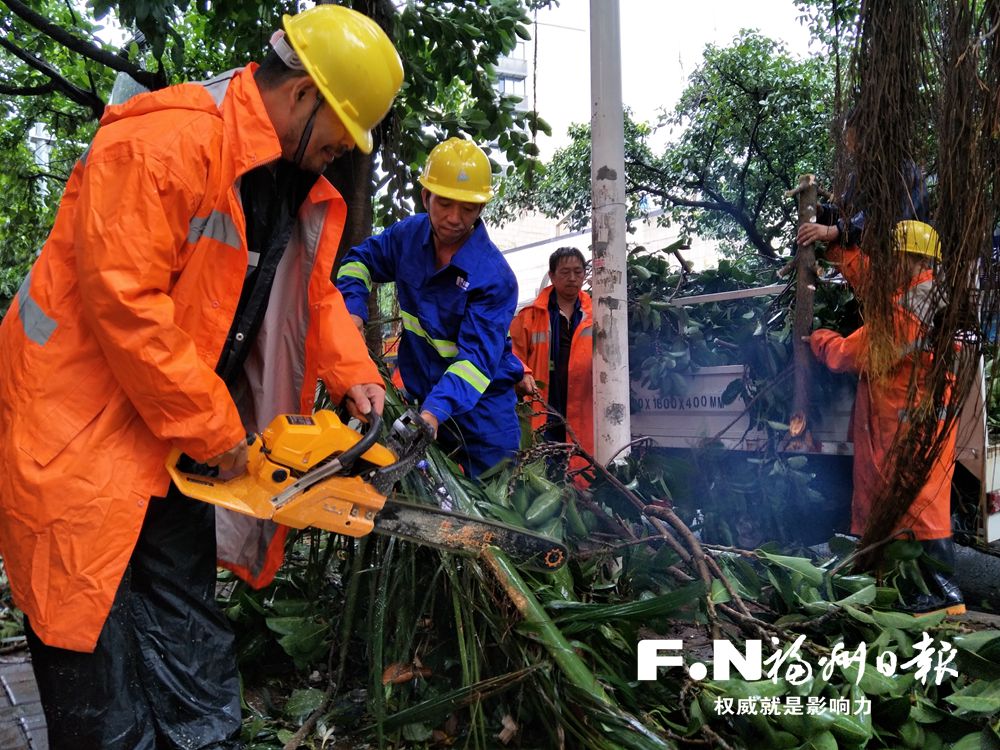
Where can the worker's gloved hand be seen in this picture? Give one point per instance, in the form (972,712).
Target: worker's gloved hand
(527,386)
(232,461)
(362,398)
(431,420)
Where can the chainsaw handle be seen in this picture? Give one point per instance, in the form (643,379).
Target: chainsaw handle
(409,437)
(368,439)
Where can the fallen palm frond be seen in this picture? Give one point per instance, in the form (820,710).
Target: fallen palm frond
(437,709)
(534,615)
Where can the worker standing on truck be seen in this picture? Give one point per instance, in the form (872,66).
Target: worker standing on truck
(554,337)
(457,296)
(881,405)
(183,298)
(834,226)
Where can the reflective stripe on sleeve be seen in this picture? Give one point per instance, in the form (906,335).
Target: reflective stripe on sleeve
(216,226)
(445,348)
(356,270)
(539,337)
(470,374)
(38,326)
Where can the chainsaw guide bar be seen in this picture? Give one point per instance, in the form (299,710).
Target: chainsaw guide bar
(454,532)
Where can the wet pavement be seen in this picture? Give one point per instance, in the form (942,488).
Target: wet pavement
(979,577)
(22,725)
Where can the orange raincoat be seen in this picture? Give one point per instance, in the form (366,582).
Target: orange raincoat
(529,335)
(880,407)
(107,354)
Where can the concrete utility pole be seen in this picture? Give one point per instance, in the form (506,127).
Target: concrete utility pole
(612,421)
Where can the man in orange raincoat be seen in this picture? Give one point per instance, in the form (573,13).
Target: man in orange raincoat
(880,405)
(554,337)
(183,298)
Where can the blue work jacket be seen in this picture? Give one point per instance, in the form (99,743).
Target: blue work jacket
(455,350)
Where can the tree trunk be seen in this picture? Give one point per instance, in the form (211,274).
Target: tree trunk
(352,175)
(800,436)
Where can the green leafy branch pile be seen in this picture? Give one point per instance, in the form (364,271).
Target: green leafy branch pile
(381,643)
(668,341)
(733,497)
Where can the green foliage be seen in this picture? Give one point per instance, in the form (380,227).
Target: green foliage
(293,618)
(30,187)
(450,52)
(751,119)
(992,377)
(561,189)
(731,497)
(192,41)
(24,218)
(436,650)
(669,339)
(473,666)
(834,25)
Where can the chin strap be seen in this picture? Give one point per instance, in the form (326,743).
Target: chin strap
(307,131)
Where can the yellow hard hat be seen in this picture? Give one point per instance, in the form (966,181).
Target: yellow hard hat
(918,238)
(352,62)
(460,170)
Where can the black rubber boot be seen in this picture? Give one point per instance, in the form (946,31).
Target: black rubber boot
(937,565)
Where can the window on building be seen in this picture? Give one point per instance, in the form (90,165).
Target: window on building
(512,86)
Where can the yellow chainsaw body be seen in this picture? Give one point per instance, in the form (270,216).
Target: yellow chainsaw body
(290,447)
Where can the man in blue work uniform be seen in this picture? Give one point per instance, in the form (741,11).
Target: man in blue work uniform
(457,297)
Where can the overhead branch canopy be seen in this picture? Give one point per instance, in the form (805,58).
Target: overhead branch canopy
(83,47)
(74,93)
(751,119)
(55,73)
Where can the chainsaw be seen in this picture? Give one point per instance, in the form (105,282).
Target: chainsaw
(313,470)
